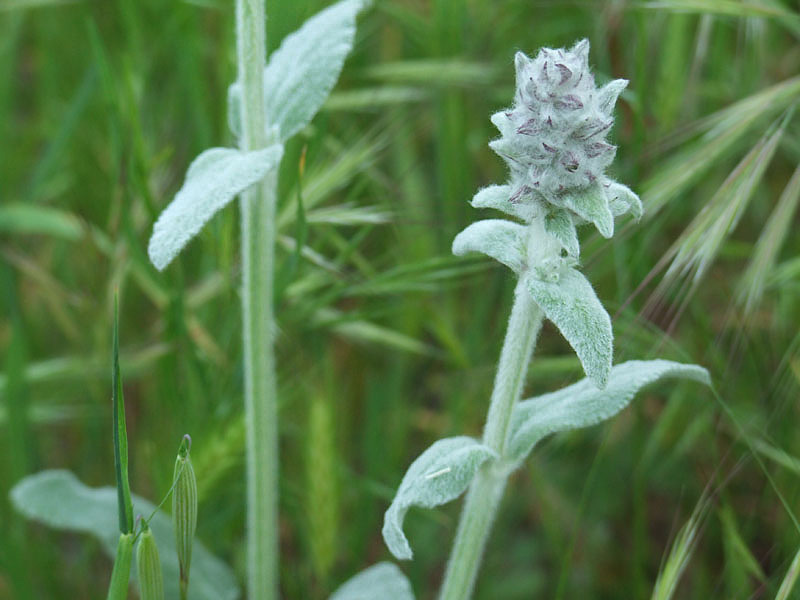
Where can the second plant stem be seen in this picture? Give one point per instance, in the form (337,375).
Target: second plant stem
(258,249)
(486,490)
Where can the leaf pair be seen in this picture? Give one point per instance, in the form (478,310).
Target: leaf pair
(598,204)
(297,80)
(444,471)
(566,297)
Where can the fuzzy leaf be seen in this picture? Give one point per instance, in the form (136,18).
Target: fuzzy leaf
(511,150)
(622,199)
(498,197)
(592,206)
(58,499)
(608,94)
(582,404)
(503,240)
(439,474)
(302,72)
(572,305)
(560,225)
(214,178)
(379,582)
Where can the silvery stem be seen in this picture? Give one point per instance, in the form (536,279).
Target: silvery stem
(258,249)
(486,490)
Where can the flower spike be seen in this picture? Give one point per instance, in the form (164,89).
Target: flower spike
(553,140)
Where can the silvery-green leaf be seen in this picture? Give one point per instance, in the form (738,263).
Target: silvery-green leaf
(214,178)
(591,204)
(498,197)
(502,120)
(622,199)
(570,303)
(58,499)
(502,240)
(383,581)
(235,108)
(511,150)
(302,72)
(583,404)
(439,474)
(608,94)
(560,225)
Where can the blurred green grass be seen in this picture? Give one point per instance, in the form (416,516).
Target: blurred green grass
(105,103)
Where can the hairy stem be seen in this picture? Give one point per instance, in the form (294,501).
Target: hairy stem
(487,488)
(258,248)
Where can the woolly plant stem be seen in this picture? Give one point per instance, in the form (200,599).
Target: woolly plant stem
(486,490)
(258,249)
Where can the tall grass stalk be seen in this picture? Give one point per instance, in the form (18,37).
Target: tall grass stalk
(258,252)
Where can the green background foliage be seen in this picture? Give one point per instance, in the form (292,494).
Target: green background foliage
(104,104)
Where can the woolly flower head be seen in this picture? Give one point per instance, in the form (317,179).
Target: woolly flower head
(554,141)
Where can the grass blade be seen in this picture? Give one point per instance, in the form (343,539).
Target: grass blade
(766,9)
(120,436)
(787,585)
(21,218)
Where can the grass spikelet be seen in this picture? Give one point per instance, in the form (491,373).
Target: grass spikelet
(322,494)
(753,282)
(697,247)
(720,133)
(148,566)
(220,459)
(671,571)
(184,511)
